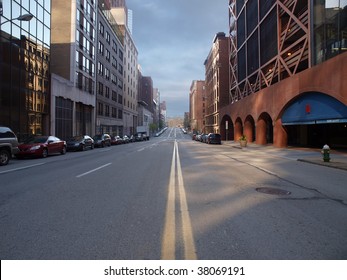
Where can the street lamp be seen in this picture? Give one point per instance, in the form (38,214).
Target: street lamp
(25,17)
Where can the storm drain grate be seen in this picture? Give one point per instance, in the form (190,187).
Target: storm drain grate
(273,191)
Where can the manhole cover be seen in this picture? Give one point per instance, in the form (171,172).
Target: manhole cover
(272,191)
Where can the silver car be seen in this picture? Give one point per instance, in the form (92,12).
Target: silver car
(8,145)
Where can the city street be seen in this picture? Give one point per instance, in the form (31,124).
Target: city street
(173,198)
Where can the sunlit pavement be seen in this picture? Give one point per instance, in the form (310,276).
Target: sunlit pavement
(338,159)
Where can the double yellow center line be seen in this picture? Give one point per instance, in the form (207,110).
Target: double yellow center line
(168,250)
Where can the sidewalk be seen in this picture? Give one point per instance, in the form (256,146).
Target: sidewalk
(338,159)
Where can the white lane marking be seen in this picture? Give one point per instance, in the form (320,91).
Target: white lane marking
(93,170)
(21,168)
(168,250)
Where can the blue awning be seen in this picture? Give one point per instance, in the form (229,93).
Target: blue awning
(315,108)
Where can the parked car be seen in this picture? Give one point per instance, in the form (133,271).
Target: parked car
(41,146)
(203,138)
(132,138)
(102,140)
(8,145)
(214,138)
(116,140)
(126,139)
(80,143)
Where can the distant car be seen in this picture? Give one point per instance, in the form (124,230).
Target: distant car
(102,140)
(126,139)
(203,138)
(80,143)
(8,145)
(214,138)
(132,138)
(41,146)
(116,140)
(139,137)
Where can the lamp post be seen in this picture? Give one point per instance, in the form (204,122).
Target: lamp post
(25,17)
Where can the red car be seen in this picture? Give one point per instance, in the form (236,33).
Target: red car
(41,146)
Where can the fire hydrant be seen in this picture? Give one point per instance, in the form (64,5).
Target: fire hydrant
(326,153)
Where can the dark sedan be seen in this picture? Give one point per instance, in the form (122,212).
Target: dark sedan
(214,138)
(102,140)
(80,143)
(41,146)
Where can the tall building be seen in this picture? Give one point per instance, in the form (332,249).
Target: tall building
(25,54)
(197,108)
(216,81)
(156,107)
(130,74)
(146,91)
(162,115)
(288,66)
(110,54)
(74,39)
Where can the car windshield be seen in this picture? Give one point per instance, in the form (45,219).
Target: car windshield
(35,140)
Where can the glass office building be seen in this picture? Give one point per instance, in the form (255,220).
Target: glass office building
(329,27)
(25,66)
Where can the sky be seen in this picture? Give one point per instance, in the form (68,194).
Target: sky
(173,39)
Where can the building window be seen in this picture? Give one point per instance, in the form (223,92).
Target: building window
(330,29)
(100,88)
(108,37)
(100,109)
(101,48)
(101,29)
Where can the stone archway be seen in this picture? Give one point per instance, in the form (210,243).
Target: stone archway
(249,128)
(264,129)
(238,129)
(227,128)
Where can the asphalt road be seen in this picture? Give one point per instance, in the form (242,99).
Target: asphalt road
(172,198)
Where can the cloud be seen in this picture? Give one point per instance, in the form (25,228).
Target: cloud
(173,38)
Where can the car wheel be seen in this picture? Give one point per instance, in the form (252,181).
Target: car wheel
(102,145)
(4,157)
(63,151)
(92,146)
(83,147)
(44,153)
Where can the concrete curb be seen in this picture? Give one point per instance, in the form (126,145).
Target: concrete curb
(331,164)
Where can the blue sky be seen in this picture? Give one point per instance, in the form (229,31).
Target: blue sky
(173,38)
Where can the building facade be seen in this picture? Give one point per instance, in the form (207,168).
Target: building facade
(130,72)
(216,82)
(74,41)
(288,70)
(25,54)
(110,54)
(197,106)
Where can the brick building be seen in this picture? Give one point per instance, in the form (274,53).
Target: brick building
(288,72)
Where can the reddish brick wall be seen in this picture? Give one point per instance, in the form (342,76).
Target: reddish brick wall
(329,77)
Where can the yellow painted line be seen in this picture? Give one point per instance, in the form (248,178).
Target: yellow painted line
(168,250)
(188,238)
(169,240)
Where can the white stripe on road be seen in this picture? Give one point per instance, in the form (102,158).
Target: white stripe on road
(93,170)
(21,168)
(168,251)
